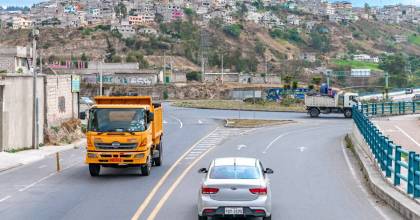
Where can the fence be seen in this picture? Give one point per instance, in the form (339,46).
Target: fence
(396,163)
(390,108)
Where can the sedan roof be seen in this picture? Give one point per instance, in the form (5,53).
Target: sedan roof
(239,161)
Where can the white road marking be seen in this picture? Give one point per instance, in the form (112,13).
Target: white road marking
(42,166)
(5,198)
(200,122)
(36,182)
(241,146)
(179,121)
(302,149)
(165,122)
(283,135)
(273,141)
(359,184)
(407,135)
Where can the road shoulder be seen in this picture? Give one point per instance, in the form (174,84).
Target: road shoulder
(404,205)
(9,161)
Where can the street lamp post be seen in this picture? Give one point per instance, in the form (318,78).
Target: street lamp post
(35,35)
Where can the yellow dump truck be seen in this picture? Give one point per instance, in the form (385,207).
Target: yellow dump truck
(124,131)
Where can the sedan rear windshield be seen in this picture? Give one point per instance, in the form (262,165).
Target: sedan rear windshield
(234,172)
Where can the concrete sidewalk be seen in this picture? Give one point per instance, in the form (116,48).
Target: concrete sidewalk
(12,160)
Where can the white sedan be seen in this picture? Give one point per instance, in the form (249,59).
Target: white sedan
(237,187)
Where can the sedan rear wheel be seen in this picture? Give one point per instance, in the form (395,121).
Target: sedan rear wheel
(267,218)
(202,217)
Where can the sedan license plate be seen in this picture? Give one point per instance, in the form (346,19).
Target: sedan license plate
(115,160)
(234,211)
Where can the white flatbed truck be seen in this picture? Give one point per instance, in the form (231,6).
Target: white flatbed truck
(340,103)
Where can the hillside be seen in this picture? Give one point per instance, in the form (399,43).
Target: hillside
(247,47)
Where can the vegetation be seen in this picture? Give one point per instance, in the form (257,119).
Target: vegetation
(233,30)
(354,64)
(414,39)
(194,76)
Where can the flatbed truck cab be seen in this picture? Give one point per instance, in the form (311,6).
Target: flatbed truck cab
(124,131)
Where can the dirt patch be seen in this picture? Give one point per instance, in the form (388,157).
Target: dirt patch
(254,123)
(66,133)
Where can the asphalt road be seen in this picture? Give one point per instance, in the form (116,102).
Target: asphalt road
(314,179)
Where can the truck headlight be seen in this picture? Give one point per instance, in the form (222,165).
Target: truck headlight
(138,156)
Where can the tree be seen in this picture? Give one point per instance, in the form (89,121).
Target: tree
(294,84)
(316,80)
(367,8)
(287,80)
(320,41)
(395,65)
(233,30)
(120,11)
(260,48)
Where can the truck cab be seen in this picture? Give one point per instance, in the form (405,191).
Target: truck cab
(124,132)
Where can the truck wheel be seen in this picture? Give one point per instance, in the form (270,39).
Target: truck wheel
(314,112)
(94,169)
(145,169)
(158,160)
(348,113)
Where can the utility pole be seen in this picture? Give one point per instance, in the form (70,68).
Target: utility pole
(222,69)
(100,77)
(164,67)
(35,34)
(386,85)
(328,79)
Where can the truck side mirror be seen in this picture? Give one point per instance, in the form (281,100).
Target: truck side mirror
(150,116)
(82,115)
(203,170)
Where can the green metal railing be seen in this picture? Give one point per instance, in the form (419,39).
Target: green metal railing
(391,158)
(390,108)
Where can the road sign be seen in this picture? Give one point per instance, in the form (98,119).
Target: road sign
(75,83)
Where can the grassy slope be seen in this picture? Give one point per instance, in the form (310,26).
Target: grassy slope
(357,64)
(414,40)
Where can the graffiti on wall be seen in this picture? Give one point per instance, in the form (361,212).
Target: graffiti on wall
(121,80)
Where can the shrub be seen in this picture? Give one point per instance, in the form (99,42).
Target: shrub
(194,76)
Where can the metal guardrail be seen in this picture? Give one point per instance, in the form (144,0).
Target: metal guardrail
(390,108)
(396,163)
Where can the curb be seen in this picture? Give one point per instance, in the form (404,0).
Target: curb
(11,167)
(404,205)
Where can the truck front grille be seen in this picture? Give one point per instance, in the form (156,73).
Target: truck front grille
(116,146)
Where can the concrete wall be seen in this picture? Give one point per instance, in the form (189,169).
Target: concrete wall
(61,103)
(216,77)
(17,114)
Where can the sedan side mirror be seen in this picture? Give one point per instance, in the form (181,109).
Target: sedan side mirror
(82,115)
(203,170)
(268,171)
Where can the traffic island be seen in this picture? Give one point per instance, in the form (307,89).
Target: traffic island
(240,105)
(409,208)
(254,123)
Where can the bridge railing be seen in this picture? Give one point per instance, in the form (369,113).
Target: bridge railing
(390,108)
(396,163)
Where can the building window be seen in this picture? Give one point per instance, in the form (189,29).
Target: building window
(61,104)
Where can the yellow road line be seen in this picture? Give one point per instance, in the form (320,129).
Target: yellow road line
(165,197)
(149,198)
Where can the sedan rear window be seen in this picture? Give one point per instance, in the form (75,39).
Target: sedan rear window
(234,172)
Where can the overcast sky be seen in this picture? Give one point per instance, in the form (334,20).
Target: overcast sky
(356,2)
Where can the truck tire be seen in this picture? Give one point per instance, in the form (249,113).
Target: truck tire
(314,112)
(158,160)
(94,169)
(145,169)
(348,113)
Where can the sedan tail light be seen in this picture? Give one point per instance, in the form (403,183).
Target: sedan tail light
(209,190)
(259,191)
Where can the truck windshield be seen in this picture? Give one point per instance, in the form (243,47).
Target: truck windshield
(117,120)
